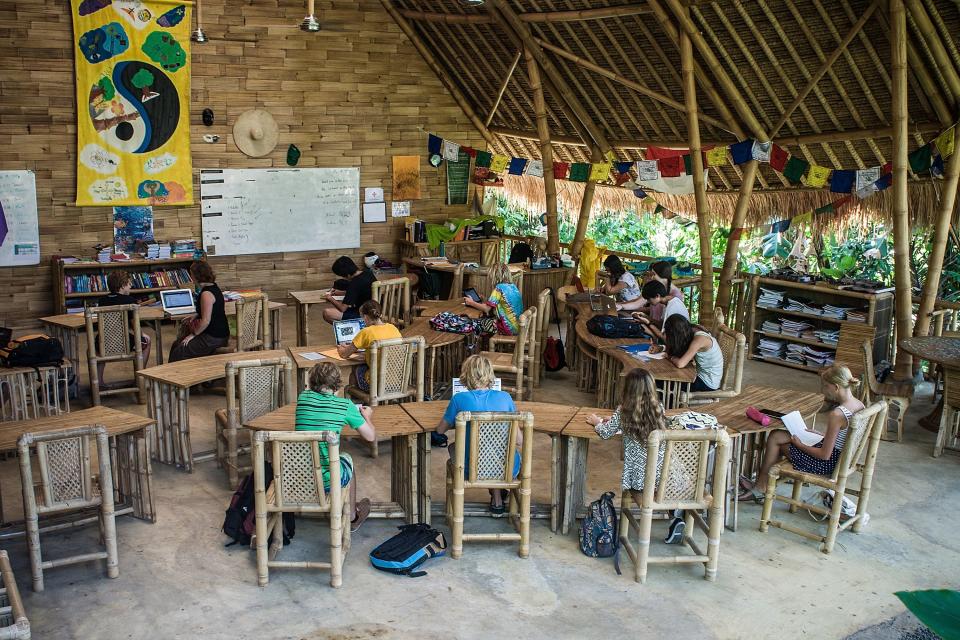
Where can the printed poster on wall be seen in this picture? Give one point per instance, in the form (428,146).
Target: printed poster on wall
(19,228)
(132,62)
(132,229)
(406,178)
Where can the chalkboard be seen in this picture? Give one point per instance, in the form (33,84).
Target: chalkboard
(19,229)
(272,210)
(458,179)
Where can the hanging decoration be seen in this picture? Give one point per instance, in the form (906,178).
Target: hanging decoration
(133,102)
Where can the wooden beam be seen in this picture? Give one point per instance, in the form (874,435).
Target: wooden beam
(511,23)
(503,87)
(901,223)
(534,16)
(931,286)
(546,153)
(636,86)
(440,72)
(941,57)
(699,186)
(819,73)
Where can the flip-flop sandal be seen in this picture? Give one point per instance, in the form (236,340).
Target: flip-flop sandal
(362,512)
(752,495)
(498,510)
(746,483)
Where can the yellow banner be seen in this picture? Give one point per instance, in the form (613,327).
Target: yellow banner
(133,102)
(817,176)
(499,163)
(717,156)
(600,171)
(945,142)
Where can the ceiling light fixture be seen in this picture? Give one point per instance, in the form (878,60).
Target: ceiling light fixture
(310,24)
(198,36)
(472,3)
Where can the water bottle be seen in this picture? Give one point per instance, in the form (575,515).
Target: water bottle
(443,251)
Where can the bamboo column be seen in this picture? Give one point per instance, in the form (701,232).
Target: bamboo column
(948,200)
(503,87)
(901,223)
(440,72)
(586,204)
(728,271)
(699,186)
(939,52)
(546,153)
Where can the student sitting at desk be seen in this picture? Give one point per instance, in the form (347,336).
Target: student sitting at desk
(208,330)
(505,301)
(477,375)
(320,409)
(837,385)
(661,272)
(685,342)
(119,283)
(656,294)
(622,283)
(356,290)
(374,328)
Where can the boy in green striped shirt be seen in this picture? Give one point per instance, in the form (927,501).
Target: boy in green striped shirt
(320,409)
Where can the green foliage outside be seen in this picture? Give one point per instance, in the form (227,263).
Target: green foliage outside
(864,252)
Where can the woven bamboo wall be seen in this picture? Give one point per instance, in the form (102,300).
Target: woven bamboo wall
(353,97)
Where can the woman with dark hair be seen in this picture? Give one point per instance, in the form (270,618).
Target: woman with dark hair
(355,283)
(685,342)
(661,272)
(207,330)
(621,282)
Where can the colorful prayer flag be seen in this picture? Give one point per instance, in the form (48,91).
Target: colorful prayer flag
(817,176)
(936,169)
(451,151)
(761,151)
(580,171)
(826,209)
(803,218)
(717,156)
(795,169)
(742,151)
(842,202)
(867,177)
(867,190)
(640,193)
(920,159)
(780,226)
(600,171)
(887,168)
(516,166)
(945,142)
(647,170)
(470,151)
(736,234)
(842,181)
(609,155)
(499,163)
(535,168)
(622,167)
(671,167)
(434,144)
(484,158)
(778,157)
(885,181)
(560,170)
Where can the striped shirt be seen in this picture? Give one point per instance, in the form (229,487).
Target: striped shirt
(325,412)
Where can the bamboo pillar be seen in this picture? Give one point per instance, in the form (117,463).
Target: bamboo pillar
(503,87)
(583,220)
(728,271)
(948,200)
(546,153)
(699,185)
(901,224)
(939,52)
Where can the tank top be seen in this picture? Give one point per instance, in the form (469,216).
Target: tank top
(710,363)
(218,327)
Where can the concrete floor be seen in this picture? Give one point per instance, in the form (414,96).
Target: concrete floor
(177,580)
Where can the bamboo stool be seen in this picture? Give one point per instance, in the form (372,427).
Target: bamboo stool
(863,440)
(492,442)
(13,620)
(681,484)
(66,485)
(948,433)
(298,488)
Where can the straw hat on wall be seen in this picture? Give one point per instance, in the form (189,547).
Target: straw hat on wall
(255,133)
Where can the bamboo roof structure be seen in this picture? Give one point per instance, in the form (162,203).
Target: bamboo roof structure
(814,76)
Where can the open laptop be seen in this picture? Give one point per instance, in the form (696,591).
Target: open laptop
(177,302)
(600,303)
(344,331)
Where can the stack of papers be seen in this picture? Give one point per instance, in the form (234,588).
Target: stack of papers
(104,255)
(832,311)
(817,358)
(859,315)
(803,306)
(827,336)
(769,326)
(770,298)
(793,327)
(795,354)
(770,348)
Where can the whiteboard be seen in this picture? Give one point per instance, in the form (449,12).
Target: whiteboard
(272,210)
(19,229)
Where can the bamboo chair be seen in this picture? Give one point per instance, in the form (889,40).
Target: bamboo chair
(14,618)
(67,484)
(539,331)
(394,298)
(895,393)
(298,488)
(493,441)
(513,363)
(114,343)
(253,323)
(456,285)
(859,456)
(253,388)
(733,345)
(947,435)
(681,484)
(394,362)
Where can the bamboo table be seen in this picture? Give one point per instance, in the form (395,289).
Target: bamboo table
(67,327)
(302,301)
(548,418)
(613,363)
(410,463)
(942,350)
(430,308)
(443,348)
(304,365)
(130,436)
(169,399)
(22,399)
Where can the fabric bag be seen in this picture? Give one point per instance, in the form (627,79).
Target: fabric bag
(407,550)
(554,356)
(239,521)
(615,328)
(599,535)
(35,350)
(485,326)
(449,322)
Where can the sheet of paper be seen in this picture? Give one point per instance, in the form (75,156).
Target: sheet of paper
(457,387)
(333,354)
(312,355)
(374,212)
(650,356)
(794,423)
(401,209)
(373,194)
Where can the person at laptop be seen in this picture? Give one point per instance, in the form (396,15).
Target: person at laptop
(477,375)
(655,293)
(622,283)
(356,286)
(119,283)
(207,330)
(505,302)
(374,329)
(662,272)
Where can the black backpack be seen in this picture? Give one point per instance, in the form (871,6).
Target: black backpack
(599,536)
(521,252)
(35,350)
(239,522)
(614,327)
(404,552)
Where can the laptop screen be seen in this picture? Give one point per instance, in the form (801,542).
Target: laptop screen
(346,330)
(177,298)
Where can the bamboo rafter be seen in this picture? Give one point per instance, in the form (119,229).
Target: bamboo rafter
(536,16)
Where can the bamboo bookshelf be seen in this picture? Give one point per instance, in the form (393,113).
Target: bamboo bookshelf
(878,312)
(62,270)
(484,251)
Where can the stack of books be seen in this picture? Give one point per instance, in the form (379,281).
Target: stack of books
(803,306)
(770,348)
(859,315)
(816,358)
(770,298)
(769,326)
(827,336)
(795,354)
(184,248)
(104,254)
(793,327)
(157,251)
(832,311)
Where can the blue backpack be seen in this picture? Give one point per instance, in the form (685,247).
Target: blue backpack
(599,536)
(404,552)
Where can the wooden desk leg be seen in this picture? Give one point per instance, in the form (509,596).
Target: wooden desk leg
(158,335)
(555,488)
(275,329)
(155,411)
(183,428)
(574,481)
(423,476)
(403,476)
(733,485)
(433,364)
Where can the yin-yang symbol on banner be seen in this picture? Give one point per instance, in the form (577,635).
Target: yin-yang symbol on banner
(136,108)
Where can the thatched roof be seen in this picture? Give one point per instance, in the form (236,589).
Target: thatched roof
(769,48)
